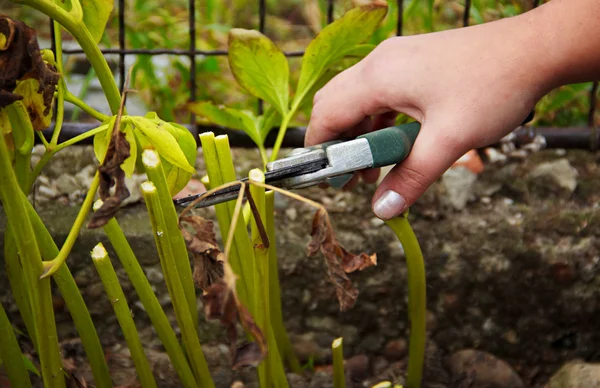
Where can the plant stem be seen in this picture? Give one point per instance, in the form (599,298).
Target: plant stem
(281,134)
(184,318)
(73,300)
(48,154)
(417,298)
(87,43)
(50,267)
(213,169)
(73,99)
(115,294)
(11,355)
(284,344)
(337,351)
(40,298)
(149,301)
(241,238)
(22,131)
(156,175)
(60,100)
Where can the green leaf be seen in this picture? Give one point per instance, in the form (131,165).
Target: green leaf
(30,367)
(128,166)
(102,140)
(336,41)
(158,134)
(270,119)
(241,120)
(259,67)
(95,16)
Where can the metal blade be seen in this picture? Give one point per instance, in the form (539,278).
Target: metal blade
(271,177)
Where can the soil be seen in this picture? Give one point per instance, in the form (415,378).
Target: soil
(513,274)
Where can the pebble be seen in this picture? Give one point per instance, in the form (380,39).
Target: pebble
(291,213)
(66,184)
(482,370)
(458,183)
(561,172)
(376,222)
(576,375)
(154,275)
(395,349)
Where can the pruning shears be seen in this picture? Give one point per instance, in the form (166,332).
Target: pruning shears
(333,162)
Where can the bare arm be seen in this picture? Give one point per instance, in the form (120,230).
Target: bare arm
(468,88)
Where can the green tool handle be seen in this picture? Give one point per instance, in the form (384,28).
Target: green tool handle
(391,145)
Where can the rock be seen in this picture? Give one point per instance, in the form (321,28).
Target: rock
(66,184)
(482,369)
(291,213)
(85,176)
(306,347)
(134,186)
(458,183)
(560,171)
(576,375)
(395,349)
(296,381)
(357,367)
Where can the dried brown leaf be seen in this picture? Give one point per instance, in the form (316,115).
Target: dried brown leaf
(339,261)
(208,259)
(21,59)
(111,174)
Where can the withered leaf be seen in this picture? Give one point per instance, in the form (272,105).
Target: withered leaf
(208,259)
(21,59)
(221,303)
(339,261)
(111,175)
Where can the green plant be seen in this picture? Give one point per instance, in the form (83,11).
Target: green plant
(239,285)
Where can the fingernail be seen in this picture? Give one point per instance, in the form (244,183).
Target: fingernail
(389,205)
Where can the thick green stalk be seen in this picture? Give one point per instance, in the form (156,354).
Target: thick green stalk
(87,43)
(22,131)
(241,237)
(50,267)
(156,175)
(149,301)
(184,318)
(60,98)
(337,351)
(271,371)
(10,354)
(115,294)
(284,345)
(74,302)
(215,179)
(40,297)
(417,298)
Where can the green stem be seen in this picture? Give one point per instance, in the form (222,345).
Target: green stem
(22,131)
(154,171)
(73,99)
(50,267)
(40,297)
(337,351)
(87,43)
(60,100)
(115,294)
(74,302)
(417,298)
(263,155)
(11,355)
(284,345)
(215,179)
(281,134)
(43,139)
(48,154)
(177,293)
(241,238)
(149,301)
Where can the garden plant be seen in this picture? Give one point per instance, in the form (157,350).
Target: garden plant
(238,282)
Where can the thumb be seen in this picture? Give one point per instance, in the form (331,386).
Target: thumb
(432,154)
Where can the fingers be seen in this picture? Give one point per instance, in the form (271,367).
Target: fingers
(431,156)
(346,101)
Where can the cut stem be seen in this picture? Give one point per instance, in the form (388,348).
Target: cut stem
(115,294)
(156,175)
(176,291)
(337,351)
(39,295)
(149,300)
(11,355)
(417,298)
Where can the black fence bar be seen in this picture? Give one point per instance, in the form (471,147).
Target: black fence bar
(262,16)
(467,13)
(180,52)
(122,44)
(191,56)
(329,11)
(593,103)
(400,20)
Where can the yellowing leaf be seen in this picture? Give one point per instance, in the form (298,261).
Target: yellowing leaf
(336,41)
(95,16)
(40,112)
(259,67)
(158,134)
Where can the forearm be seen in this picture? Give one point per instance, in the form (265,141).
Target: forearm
(569,47)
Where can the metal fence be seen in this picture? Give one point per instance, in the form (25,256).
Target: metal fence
(576,137)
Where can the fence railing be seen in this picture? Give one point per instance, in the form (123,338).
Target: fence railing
(571,137)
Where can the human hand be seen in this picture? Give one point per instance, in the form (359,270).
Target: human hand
(467,87)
